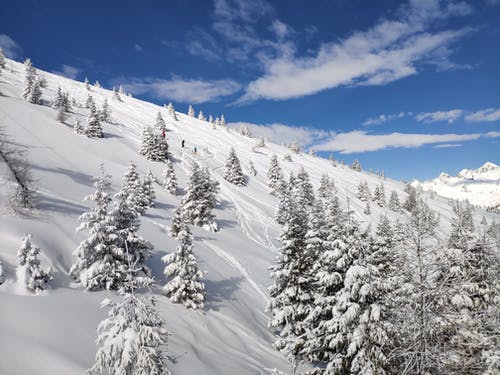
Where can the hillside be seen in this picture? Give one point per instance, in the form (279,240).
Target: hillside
(480,186)
(55,332)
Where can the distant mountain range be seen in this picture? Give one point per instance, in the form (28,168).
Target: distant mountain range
(480,186)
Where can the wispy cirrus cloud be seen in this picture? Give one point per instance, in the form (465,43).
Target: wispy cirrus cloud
(387,52)
(9,46)
(68,71)
(192,91)
(485,115)
(440,116)
(381,119)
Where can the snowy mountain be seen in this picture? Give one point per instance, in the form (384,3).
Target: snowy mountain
(480,186)
(55,331)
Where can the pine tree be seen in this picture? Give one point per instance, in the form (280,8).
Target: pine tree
(133,190)
(234,174)
(284,203)
(29,78)
(356,166)
(217,121)
(291,293)
(97,84)
(89,103)
(379,195)
(210,119)
(201,116)
(78,127)
(160,125)
(148,190)
(177,221)
(116,95)
(105,112)
(58,101)
(3,63)
(262,142)
(36,278)
(93,129)
(61,115)
(367,210)
(303,190)
(222,120)
(169,178)
(363,193)
(418,324)
(468,276)
(86,84)
(132,339)
(171,111)
(394,204)
(153,146)
(411,200)
(200,198)
(326,188)
(250,169)
(185,285)
(274,174)
(191,111)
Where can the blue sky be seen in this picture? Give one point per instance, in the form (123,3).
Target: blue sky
(408,87)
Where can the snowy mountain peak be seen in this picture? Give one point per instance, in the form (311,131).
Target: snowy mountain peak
(488,166)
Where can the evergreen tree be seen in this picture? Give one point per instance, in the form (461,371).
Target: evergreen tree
(303,190)
(291,293)
(191,111)
(418,324)
(59,99)
(171,111)
(177,221)
(363,193)
(411,200)
(284,204)
(132,339)
(185,285)
(36,278)
(89,103)
(210,119)
(116,95)
(356,166)
(394,204)
(133,190)
(222,120)
(367,210)
(78,127)
(3,63)
(61,115)
(234,174)
(153,146)
(379,195)
(148,190)
(262,142)
(94,128)
(160,125)
(105,112)
(200,198)
(274,174)
(201,116)
(250,169)
(29,78)
(169,178)
(326,188)
(86,84)
(217,121)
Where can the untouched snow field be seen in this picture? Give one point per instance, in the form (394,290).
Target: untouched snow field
(54,332)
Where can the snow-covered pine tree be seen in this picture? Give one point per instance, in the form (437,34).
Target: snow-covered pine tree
(411,201)
(294,147)
(36,278)
(185,285)
(262,142)
(116,95)
(274,174)
(285,200)
(303,190)
(171,111)
(191,112)
(86,84)
(363,193)
(105,112)
(2,276)
(177,221)
(121,90)
(200,198)
(210,119)
(3,63)
(201,116)
(78,127)
(217,121)
(61,115)
(367,210)
(379,195)
(250,169)
(291,293)
(89,103)
(58,101)
(97,84)
(169,178)
(132,188)
(29,78)
(160,125)
(94,128)
(356,166)
(469,301)
(222,121)
(394,204)
(326,188)
(147,143)
(234,174)
(132,339)
(418,324)
(148,190)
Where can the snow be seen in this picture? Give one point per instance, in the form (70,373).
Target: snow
(56,329)
(480,186)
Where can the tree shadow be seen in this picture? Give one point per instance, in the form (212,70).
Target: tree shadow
(163,206)
(78,177)
(58,205)
(218,292)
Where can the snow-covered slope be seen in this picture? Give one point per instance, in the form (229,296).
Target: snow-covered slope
(54,332)
(480,186)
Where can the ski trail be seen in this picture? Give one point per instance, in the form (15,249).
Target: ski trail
(237,265)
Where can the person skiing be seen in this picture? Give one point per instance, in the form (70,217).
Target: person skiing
(163,133)
(182,143)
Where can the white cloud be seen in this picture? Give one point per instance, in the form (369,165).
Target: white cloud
(383,118)
(387,52)
(9,46)
(68,71)
(284,134)
(486,115)
(492,134)
(192,91)
(138,47)
(448,145)
(360,141)
(449,116)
